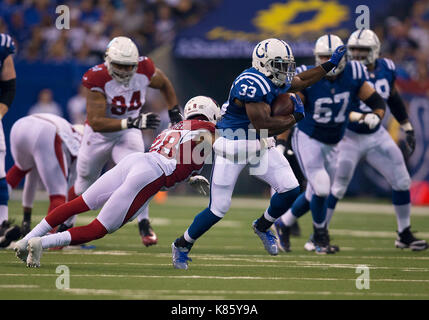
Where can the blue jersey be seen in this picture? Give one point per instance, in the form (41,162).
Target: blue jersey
(329,102)
(250,86)
(382,78)
(7,47)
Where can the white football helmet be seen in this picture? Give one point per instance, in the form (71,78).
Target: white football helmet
(202,105)
(274,58)
(363,39)
(123,51)
(325,46)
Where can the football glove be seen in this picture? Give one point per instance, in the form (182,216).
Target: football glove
(200,183)
(298,113)
(410,138)
(338,54)
(175,115)
(371,120)
(148,120)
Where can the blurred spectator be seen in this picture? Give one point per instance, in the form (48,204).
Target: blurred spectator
(150,23)
(76,107)
(165,25)
(46,104)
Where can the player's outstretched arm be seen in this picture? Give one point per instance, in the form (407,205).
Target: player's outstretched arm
(311,76)
(259,114)
(160,81)
(7,85)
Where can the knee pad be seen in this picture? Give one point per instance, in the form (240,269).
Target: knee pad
(321,183)
(4,192)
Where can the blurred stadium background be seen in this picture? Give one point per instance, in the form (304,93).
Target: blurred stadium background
(201,45)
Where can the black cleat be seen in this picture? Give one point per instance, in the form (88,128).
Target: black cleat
(25,227)
(12,233)
(147,234)
(321,241)
(406,239)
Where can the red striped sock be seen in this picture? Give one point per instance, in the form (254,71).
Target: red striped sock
(65,211)
(15,175)
(55,201)
(93,231)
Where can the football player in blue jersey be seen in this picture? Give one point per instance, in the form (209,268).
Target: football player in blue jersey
(8,232)
(375,145)
(244,129)
(327,107)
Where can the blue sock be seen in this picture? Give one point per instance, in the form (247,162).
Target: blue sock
(281,202)
(301,206)
(400,198)
(202,222)
(318,209)
(4,193)
(331,202)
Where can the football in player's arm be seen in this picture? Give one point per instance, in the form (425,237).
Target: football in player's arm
(259,112)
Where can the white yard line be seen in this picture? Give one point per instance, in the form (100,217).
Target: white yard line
(194,277)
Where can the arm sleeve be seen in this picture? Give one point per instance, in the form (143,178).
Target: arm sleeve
(397,106)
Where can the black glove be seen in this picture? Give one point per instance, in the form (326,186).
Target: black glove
(410,138)
(175,115)
(148,120)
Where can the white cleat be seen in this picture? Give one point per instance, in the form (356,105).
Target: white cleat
(20,249)
(34,252)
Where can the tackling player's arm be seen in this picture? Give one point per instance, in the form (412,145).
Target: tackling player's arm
(311,76)
(160,81)
(7,85)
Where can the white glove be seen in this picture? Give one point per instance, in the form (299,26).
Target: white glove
(281,148)
(200,183)
(371,120)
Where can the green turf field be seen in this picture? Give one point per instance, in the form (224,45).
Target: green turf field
(229,261)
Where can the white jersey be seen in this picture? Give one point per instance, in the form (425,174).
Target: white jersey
(176,153)
(122,101)
(69,137)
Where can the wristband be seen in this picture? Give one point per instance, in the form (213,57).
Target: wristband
(124,124)
(407,126)
(328,66)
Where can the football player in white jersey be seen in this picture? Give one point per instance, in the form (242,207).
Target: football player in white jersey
(122,193)
(115,93)
(47,153)
(375,145)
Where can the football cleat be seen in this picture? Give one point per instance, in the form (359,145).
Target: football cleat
(310,246)
(149,237)
(25,227)
(34,252)
(283,233)
(12,233)
(180,257)
(321,241)
(406,239)
(268,239)
(20,249)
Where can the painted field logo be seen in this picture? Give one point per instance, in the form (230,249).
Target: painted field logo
(63,280)
(362,282)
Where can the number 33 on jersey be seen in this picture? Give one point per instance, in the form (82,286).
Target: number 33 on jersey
(122,102)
